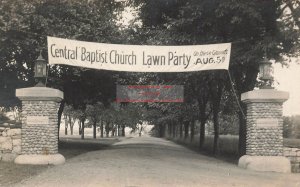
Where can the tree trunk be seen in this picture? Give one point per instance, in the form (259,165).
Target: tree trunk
(118,130)
(162,130)
(101,129)
(159,130)
(202,134)
(216,132)
(192,130)
(174,130)
(113,132)
(79,127)
(186,129)
(180,130)
(66,125)
(140,130)
(216,109)
(107,129)
(123,130)
(203,100)
(71,127)
(215,101)
(66,129)
(94,130)
(82,129)
(59,113)
(169,129)
(242,135)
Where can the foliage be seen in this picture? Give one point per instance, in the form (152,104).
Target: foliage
(287,127)
(24,26)
(3,117)
(255,29)
(94,112)
(291,126)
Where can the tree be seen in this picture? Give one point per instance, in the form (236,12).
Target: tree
(24,26)
(80,114)
(295,126)
(254,28)
(132,117)
(66,124)
(108,118)
(70,116)
(287,127)
(216,92)
(200,90)
(94,113)
(251,26)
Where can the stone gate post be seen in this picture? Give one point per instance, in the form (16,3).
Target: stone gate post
(264,139)
(39,139)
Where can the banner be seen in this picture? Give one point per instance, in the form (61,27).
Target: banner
(138,58)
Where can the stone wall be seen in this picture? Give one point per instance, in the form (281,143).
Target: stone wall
(10,142)
(266,141)
(40,138)
(293,154)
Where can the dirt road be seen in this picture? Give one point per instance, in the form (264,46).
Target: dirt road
(146,161)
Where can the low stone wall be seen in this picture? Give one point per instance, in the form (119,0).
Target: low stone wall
(293,154)
(10,142)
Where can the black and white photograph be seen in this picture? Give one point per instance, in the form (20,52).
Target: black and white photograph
(149,93)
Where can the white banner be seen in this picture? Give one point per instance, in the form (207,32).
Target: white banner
(138,58)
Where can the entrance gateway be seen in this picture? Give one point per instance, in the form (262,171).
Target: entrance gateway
(40,104)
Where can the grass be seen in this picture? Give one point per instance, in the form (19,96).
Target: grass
(228,146)
(11,173)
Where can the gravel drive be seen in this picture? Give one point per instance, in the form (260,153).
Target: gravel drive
(148,161)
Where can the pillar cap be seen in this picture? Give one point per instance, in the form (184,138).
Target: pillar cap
(265,95)
(39,93)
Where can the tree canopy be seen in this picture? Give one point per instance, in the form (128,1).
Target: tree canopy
(255,29)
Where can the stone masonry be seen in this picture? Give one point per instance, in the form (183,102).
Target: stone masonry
(264,141)
(40,138)
(39,126)
(264,122)
(293,154)
(264,131)
(10,143)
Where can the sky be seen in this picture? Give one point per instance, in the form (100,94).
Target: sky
(288,79)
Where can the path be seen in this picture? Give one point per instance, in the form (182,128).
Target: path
(154,162)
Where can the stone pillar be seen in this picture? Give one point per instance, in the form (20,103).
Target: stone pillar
(39,140)
(264,139)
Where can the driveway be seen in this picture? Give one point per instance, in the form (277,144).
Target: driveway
(148,161)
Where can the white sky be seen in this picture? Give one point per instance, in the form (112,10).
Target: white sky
(289,80)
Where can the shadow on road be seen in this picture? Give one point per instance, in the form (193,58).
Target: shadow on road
(147,146)
(71,147)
